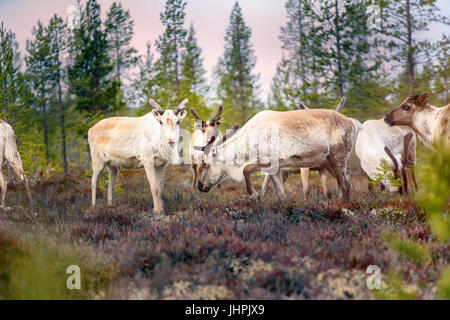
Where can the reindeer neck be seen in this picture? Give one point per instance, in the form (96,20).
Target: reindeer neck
(426,123)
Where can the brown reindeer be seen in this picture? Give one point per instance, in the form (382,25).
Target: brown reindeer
(429,122)
(204,131)
(286,172)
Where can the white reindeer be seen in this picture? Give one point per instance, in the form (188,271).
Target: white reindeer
(377,142)
(10,154)
(301,138)
(203,132)
(429,122)
(150,141)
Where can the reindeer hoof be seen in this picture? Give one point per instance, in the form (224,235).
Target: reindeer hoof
(255,196)
(5,208)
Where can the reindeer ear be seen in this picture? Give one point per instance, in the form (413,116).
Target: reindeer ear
(422,100)
(157,114)
(217,124)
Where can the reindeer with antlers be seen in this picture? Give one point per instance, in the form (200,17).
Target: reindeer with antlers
(150,141)
(204,131)
(272,140)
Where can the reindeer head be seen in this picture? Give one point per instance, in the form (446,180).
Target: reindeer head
(170,121)
(407,112)
(209,128)
(212,172)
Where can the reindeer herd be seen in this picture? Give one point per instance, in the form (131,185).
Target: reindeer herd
(277,143)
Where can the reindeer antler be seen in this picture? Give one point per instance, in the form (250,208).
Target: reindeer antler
(302,106)
(155,105)
(341,104)
(181,106)
(218,115)
(229,134)
(198,148)
(195,115)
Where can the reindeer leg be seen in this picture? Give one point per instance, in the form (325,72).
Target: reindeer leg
(17,168)
(305,182)
(3,187)
(113,173)
(278,181)
(265,184)
(324,180)
(97,169)
(156,181)
(249,169)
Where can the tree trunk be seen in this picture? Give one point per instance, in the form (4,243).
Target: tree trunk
(62,125)
(410,58)
(338,50)
(46,132)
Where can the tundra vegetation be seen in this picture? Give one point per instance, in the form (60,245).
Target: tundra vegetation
(223,244)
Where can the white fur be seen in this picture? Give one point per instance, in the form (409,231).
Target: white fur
(372,138)
(135,143)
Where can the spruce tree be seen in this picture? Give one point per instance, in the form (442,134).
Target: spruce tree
(9,70)
(170,46)
(119,33)
(38,73)
(57,40)
(145,86)
(237,85)
(192,80)
(403,20)
(90,75)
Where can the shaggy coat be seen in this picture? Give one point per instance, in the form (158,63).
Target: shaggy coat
(377,142)
(301,138)
(204,131)
(149,142)
(10,155)
(429,122)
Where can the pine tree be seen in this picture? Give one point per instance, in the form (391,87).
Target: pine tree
(90,76)
(9,69)
(237,88)
(37,61)
(57,40)
(170,46)
(294,80)
(119,32)
(145,85)
(402,21)
(192,79)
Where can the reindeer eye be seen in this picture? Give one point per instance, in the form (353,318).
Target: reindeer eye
(160,122)
(179,121)
(406,107)
(204,165)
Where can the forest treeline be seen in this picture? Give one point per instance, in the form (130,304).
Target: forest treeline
(73,74)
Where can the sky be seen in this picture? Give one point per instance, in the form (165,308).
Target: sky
(210,19)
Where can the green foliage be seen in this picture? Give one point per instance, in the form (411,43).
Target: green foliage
(36,270)
(237,88)
(410,249)
(119,33)
(444,284)
(434,194)
(385,175)
(32,152)
(396,289)
(104,181)
(90,74)
(171,45)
